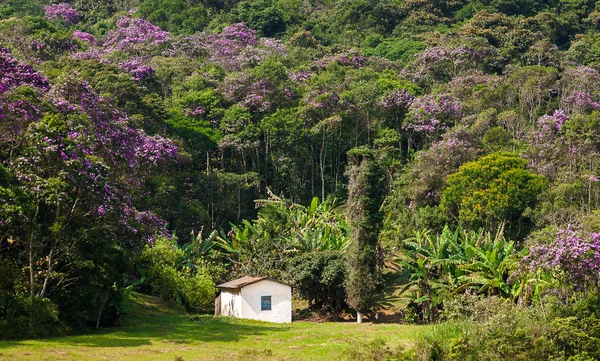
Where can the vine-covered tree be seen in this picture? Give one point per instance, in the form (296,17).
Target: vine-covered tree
(364,215)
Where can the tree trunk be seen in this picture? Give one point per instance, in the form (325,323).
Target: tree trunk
(100,312)
(322,168)
(31,271)
(359,317)
(45,284)
(30,254)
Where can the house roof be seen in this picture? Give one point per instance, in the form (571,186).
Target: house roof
(246,280)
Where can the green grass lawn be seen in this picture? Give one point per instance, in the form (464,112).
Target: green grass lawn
(156,330)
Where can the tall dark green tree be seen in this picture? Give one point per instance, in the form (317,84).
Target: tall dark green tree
(364,215)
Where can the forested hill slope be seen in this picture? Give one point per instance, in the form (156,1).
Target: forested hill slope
(127,121)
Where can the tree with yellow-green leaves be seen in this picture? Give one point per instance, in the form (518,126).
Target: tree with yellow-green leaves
(493,190)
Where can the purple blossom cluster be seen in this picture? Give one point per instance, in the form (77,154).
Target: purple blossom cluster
(442,159)
(349,58)
(240,34)
(84,144)
(551,123)
(237,47)
(255,103)
(319,99)
(151,226)
(197,111)
(288,92)
(62,11)
(249,92)
(551,148)
(234,48)
(14,73)
(300,76)
(37,45)
(397,99)
(439,63)
(118,140)
(575,255)
(104,155)
(50,47)
(17,114)
(231,141)
(580,87)
(581,78)
(581,102)
(430,114)
(463,84)
(137,69)
(134,34)
(155,149)
(457,55)
(86,37)
(452,149)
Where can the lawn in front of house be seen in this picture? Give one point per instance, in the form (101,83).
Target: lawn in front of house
(158,330)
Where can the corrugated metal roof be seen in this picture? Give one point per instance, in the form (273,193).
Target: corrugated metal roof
(246,280)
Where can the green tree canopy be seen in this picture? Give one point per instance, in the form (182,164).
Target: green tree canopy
(494,189)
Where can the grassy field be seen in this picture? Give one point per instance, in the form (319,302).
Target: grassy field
(156,330)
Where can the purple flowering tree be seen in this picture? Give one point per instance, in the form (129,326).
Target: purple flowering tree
(234,48)
(554,149)
(462,86)
(443,158)
(349,58)
(138,69)
(580,90)
(396,103)
(85,37)
(573,258)
(17,113)
(77,162)
(566,149)
(135,35)
(62,11)
(438,64)
(431,115)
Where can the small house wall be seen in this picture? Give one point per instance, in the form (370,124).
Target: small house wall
(281,301)
(231,302)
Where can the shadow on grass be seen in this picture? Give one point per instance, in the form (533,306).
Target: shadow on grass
(180,330)
(395,278)
(153,320)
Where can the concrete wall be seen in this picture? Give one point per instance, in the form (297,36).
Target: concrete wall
(281,301)
(231,303)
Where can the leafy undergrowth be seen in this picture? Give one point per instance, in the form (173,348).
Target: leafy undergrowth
(158,330)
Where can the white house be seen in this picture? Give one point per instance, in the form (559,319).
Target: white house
(258,298)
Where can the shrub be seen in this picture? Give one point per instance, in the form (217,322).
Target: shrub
(319,278)
(190,284)
(494,329)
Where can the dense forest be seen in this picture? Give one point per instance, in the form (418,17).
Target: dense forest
(445,153)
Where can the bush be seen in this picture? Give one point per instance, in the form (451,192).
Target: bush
(168,276)
(26,317)
(494,329)
(319,278)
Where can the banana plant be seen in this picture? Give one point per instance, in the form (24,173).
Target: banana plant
(457,261)
(494,260)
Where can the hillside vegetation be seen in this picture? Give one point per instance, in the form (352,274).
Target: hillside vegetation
(437,159)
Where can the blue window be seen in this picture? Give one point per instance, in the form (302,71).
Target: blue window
(265,303)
